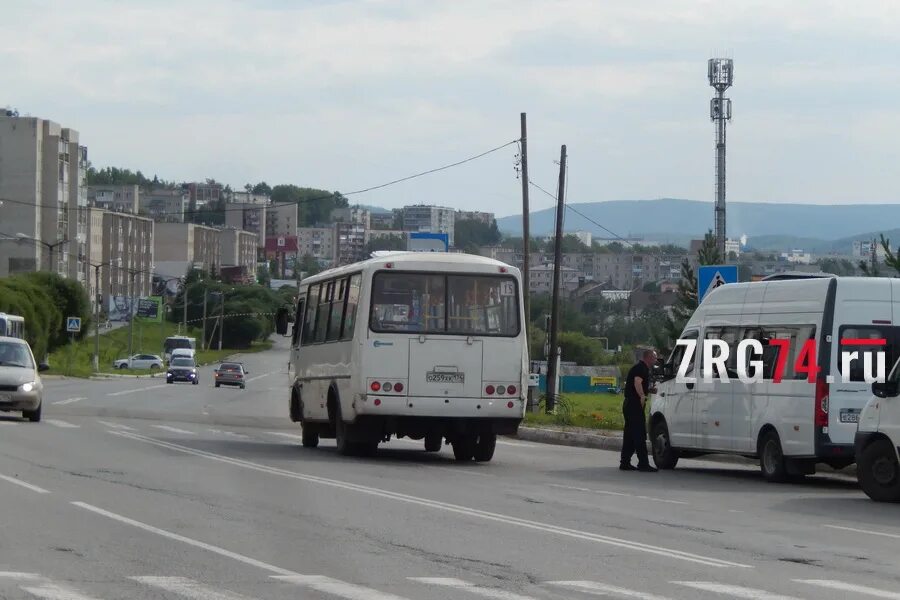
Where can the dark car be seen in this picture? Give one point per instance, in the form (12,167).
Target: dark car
(182,369)
(231,373)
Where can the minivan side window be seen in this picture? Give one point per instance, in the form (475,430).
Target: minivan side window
(862,332)
(677,355)
(797,336)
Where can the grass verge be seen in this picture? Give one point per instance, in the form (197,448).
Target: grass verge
(74,360)
(591,411)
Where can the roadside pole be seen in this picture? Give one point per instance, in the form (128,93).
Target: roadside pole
(203,337)
(97,296)
(526,230)
(552,366)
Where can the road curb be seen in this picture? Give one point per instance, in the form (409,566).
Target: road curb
(612,441)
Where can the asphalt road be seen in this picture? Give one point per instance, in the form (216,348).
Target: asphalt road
(132,488)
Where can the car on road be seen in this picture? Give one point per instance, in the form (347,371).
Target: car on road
(183,368)
(231,373)
(20,385)
(182,353)
(878,441)
(140,361)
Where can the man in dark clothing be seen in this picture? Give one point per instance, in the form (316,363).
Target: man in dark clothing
(637,386)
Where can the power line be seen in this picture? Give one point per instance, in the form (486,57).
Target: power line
(332,195)
(578,212)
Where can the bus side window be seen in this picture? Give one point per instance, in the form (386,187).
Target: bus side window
(309,322)
(350,309)
(298,323)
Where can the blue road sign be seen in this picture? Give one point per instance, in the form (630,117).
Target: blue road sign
(709,277)
(73,324)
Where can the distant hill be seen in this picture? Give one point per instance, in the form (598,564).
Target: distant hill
(812,227)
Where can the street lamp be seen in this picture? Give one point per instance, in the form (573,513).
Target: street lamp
(97,297)
(50,247)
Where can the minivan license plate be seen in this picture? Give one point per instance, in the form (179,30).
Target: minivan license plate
(437,377)
(849,417)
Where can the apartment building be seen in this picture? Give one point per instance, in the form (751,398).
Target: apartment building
(239,249)
(197,245)
(43,218)
(430,219)
(127,246)
(95,254)
(204,193)
(381,220)
(349,242)
(115,198)
(281,219)
(317,242)
(541,279)
(165,205)
(249,217)
(353,214)
(247,198)
(473,215)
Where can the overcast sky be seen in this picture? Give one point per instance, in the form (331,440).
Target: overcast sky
(346,95)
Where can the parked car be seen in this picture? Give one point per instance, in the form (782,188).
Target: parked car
(231,373)
(140,361)
(182,368)
(877,441)
(20,385)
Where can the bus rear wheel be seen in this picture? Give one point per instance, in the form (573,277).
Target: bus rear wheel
(771,458)
(309,435)
(433,443)
(484,448)
(464,447)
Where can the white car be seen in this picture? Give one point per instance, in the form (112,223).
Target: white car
(140,361)
(877,441)
(20,384)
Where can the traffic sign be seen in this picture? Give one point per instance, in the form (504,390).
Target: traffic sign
(73,324)
(709,277)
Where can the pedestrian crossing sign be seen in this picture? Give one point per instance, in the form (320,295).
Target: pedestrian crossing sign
(73,324)
(709,277)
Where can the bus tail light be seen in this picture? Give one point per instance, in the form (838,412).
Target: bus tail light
(387,386)
(511,390)
(510,404)
(376,402)
(398,387)
(821,419)
(375,386)
(489,390)
(501,390)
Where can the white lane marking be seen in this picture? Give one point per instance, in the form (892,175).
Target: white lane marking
(59,423)
(174,429)
(231,433)
(186,540)
(880,533)
(446,506)
(260,376)
(19,575)
(69,401)
(478,590)
(187,588)
(116,426)
(290,436)
(7,422)
(24,484)
(135,390)
(50,591)
(609,493)
(849,587)
(733,591)
(601,589)
(339,588)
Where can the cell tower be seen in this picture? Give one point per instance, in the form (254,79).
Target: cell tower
(721,76)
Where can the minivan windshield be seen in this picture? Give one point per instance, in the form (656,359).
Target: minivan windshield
(182,362)
(445,304)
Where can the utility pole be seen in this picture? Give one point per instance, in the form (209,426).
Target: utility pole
(131,316)
(526,227)
(554,304)
(184,300)
(97,317)
(221,320)
(203,337)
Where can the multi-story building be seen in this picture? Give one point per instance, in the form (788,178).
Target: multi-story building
(204,193)
(128,245)
(473,215)
(584,237)
(238,249)
(430,219)
(95,254)
(197,245)
(281,219)
(165,205)
(864,248)
(44,219)
(541,279)
(317,242)
(353,214)
(349,242)
(381,220)
(249,217)
(115,198)
(248,198)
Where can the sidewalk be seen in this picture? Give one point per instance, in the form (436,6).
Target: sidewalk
(612,440)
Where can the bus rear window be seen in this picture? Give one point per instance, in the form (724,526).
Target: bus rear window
(446,304)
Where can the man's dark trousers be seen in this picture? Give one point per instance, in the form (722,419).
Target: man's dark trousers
(634,439)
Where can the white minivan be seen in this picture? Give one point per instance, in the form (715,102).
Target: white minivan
(878,441)
(792,425)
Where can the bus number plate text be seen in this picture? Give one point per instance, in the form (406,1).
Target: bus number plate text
(438,377)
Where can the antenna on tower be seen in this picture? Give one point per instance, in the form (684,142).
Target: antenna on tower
(721,77)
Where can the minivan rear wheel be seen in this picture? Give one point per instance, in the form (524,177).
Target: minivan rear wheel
(878,472)
(664,456)
(771,458)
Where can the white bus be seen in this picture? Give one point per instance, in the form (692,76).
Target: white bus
(425,346)
(792,425)
(12,326)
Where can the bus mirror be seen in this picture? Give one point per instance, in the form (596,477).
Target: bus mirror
(281,321)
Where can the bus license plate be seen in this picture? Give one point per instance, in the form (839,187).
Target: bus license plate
(436,377)
(849,417)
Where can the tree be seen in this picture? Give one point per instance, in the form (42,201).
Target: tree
(579,348)
(262,188)
(309,265)
(473,232)
(891,261)
(570,244)
(837,266)
(314,206)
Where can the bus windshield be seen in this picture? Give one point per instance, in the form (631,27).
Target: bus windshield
(437,303)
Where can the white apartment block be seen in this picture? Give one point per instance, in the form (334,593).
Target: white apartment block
(198,245)
(43,220)
(127,246)
(473,215)
(430,219)
(317,242)
(165,205)
(281,219)
(115,198)
(249,217)
(239,248)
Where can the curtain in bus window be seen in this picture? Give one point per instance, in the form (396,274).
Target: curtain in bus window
(324,311)
(889,334)
(410,302)
(337,310)
(309,323)
(482,305)
(350,312)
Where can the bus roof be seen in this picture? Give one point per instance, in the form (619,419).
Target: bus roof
(413,261)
